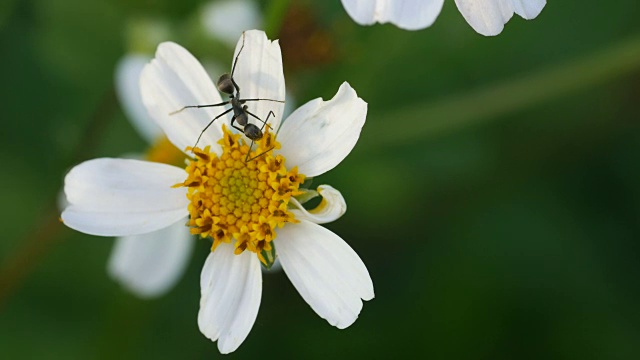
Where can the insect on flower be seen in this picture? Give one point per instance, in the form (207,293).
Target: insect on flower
(250,211)
(227,84)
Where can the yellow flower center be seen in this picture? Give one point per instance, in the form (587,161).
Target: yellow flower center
(235,199)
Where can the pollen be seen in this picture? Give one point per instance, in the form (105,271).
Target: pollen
(240,199)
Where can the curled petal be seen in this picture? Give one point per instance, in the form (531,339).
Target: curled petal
(127,79)
(175,79)
(487,17)
(320,134)
(231,289)
(118,197)
(331,208)
(149,265)
(405,14)
(327,273)
(528,9)
(259,75)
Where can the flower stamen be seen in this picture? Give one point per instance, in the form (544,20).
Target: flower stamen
(235,200)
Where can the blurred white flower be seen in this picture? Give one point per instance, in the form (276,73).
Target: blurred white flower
(127,81)
(147,265)
(227,19)
(487,17)
(405,14)
(247,208)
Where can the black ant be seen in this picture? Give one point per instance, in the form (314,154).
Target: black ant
(228,85)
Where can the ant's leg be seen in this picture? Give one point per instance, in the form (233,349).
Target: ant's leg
(249,152)
(209,124)
(199,106)
(247,159)
(262,121)
(233,120)
(271,113)
(278,101)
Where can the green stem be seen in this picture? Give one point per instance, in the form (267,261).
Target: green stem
(488,104)
(275,13)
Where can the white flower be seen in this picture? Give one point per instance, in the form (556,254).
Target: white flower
(247,208)
(487,17)
(127,80)
(226,19)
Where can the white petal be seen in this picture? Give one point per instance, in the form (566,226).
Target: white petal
(118,197)
(289,106)
(488,17)
(528,9)
(231,289)
(259,75)
(227,19)
(175,79)
(149,265)
(327,273)
(61,200)
(331,208)
(127,79)
(320,134)
(405,14)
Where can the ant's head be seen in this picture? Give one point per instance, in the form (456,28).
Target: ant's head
(252,132)
(225,84)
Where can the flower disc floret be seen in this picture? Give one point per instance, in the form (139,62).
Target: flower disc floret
(235,199)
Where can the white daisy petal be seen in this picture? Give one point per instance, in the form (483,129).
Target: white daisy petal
(259,75)
(320,134)
(149,265)
(227,19)
(127,79)
(231,289)
(175,79)
(327,273)
(528,9)
(331,208)
(405,14)
(487,17)
(118,197)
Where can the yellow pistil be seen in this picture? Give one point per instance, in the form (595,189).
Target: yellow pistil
(237,200)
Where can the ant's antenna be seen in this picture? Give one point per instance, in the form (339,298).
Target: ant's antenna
(235,61)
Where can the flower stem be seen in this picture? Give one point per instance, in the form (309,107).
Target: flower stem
(417,122)
(275,13)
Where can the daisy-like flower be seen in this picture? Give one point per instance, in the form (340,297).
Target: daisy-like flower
(251,210)
(486,17)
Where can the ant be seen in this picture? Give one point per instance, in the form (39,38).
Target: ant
(227,84)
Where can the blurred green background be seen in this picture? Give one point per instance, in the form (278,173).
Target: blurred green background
(494,194)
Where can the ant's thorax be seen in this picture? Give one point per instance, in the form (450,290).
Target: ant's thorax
(236,103)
